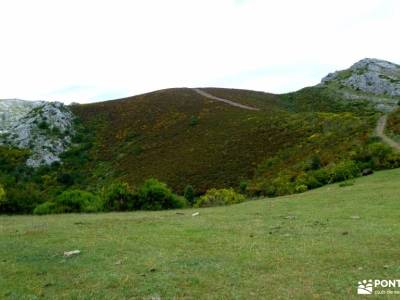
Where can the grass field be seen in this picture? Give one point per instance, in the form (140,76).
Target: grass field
(315,245)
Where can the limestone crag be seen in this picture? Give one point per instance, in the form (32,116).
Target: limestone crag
(45,128)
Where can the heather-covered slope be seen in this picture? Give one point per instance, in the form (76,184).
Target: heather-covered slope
(182,138)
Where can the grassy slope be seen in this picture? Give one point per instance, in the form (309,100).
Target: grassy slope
(151,136)
(305,246)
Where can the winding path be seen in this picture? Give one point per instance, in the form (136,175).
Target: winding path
(380,131)
(209,96)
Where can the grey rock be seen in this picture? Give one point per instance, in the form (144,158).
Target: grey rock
(45,128)
(377,80)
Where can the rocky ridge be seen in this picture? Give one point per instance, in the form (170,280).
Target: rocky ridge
(370,79)
(45,128)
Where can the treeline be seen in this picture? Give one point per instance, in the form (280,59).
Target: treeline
(50,190)
(315,171)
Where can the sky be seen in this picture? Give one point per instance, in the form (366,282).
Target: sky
(85,51)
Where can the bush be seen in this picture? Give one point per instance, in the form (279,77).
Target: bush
(73,201)
(219,197)
(189,194)
(2,194)
(21,199)
(155,195)
(343,170)
(243,187)
(301,188)
(118,197)
(45,208)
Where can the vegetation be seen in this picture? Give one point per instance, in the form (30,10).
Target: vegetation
(181,138)
(296,142)
(189,194)
(219,197)
(73,201)
(315,245)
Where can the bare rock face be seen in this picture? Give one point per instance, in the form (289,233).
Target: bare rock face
(377,78)
(45,128)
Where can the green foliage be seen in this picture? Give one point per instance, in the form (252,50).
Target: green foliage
(243,187)
(301,188)
(119,196)
(45,208)
(155,195)
(189,194)
(21,198)
(2,194)
(343,170)
(73,201)
(219,197)
(43,125)
(194,120)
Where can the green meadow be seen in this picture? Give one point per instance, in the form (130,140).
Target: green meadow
(314,245)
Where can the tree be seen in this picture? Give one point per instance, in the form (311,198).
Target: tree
(2,194)
(189,194)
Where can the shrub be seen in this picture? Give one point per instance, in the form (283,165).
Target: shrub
(65,179)
(73,201)
(283,185)
(219,197)
(118,197)
(21,198)
(2,194)
(343,170)
(45,208)
(243,186)
(301,188)
(189,194)
(193,121)
(43,125)
(155,195)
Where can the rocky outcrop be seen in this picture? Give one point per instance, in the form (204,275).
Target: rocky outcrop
(45,128)
(377,80)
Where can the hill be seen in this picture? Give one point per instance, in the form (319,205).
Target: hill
(315,245)
(255,142)
(181,137)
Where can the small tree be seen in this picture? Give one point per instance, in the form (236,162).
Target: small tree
(189,194)
(2,194)
(118,197)
(156,195)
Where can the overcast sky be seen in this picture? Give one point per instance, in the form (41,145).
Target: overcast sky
(84,50)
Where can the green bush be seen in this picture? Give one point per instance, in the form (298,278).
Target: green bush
(2,194)
(45,208)
(301,188)
(283,185)
(219,197)
(243,187)
(118,197)
(343,170)
(73,201)
(189,194)
(155,195)
(21,199)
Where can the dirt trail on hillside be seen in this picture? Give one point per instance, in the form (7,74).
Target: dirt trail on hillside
(380,131)
(209,96)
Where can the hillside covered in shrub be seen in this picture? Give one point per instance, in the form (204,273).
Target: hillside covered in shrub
(179,142)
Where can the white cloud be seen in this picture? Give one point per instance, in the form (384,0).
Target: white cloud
(95,50)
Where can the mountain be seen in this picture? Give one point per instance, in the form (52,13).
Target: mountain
(260,143)
(373,79)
